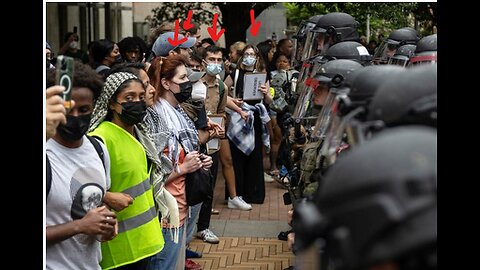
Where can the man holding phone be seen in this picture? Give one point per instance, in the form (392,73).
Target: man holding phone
(71,47)
(76,216)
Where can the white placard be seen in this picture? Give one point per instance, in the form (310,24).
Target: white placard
(251,85)
(199,91)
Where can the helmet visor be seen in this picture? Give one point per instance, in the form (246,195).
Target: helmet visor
(316,44)
(329,110)
(383,53)
(303,101)
(336,138)
(398,60)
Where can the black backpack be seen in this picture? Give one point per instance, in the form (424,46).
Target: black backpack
(97,147)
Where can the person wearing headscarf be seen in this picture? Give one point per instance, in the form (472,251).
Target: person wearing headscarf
(135,170)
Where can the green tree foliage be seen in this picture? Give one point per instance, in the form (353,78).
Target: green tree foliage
(233,16)
(171,11)
(384,17)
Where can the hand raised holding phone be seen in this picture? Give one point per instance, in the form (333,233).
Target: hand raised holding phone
(64,77)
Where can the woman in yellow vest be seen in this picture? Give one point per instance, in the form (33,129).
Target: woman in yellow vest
(116,121)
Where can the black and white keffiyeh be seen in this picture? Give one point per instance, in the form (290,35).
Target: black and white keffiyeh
(179,126)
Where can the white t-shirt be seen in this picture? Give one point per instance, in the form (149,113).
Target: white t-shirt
(79,182)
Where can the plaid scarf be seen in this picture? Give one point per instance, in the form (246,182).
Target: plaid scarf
(242,133)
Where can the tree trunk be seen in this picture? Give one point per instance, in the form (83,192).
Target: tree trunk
(236,20)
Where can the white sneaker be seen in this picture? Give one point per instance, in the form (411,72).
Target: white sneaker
(268,177)
(238,203)
(208,236)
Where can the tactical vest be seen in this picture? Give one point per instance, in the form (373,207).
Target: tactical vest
(307,166)
(139,231)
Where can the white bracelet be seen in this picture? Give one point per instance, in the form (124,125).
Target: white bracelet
(178,170)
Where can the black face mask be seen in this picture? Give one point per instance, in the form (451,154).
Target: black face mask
(76,127)
(185,91)
(133,112)
(118,59)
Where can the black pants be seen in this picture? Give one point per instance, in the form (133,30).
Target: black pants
(206,210)
(249,178)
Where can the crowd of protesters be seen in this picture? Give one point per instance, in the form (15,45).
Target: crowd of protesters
(142,118)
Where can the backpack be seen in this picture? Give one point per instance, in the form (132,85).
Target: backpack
(97,147)
(221,89)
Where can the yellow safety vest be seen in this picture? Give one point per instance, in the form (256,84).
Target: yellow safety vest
(139,232)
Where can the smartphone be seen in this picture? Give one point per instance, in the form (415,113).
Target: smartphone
(75,29)
(64,76)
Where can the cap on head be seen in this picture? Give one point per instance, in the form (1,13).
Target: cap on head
(162,46)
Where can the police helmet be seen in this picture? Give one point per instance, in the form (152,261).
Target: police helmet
(402,55)
(335,72)
(426,50)
(396,39)
(349,50)
(377,204)
(407,98)
(306,26)
(363,84)
(338,25)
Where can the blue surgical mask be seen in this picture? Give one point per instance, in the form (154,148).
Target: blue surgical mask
(214,69)
(249,60)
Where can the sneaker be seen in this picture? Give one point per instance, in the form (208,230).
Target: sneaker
(191,265)
(268,177)
(190,254)
(238,203)
(208,236)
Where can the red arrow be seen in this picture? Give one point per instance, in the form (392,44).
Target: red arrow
(175,42)
(187,24)
(213,30)
(255,25)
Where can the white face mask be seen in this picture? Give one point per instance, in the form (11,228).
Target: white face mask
(213,69)
(249,61)
(199,91)
(73,45)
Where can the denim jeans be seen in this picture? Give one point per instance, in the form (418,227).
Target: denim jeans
(167,258)
(192,221)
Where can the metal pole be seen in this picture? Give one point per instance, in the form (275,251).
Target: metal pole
(89,22)
(368,28)
(108,28)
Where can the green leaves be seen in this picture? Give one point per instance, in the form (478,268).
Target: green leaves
(170,11)
(384,17)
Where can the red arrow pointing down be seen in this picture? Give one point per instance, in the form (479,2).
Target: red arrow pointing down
(175,42)
(187,24)
(255,25)
(213,30)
